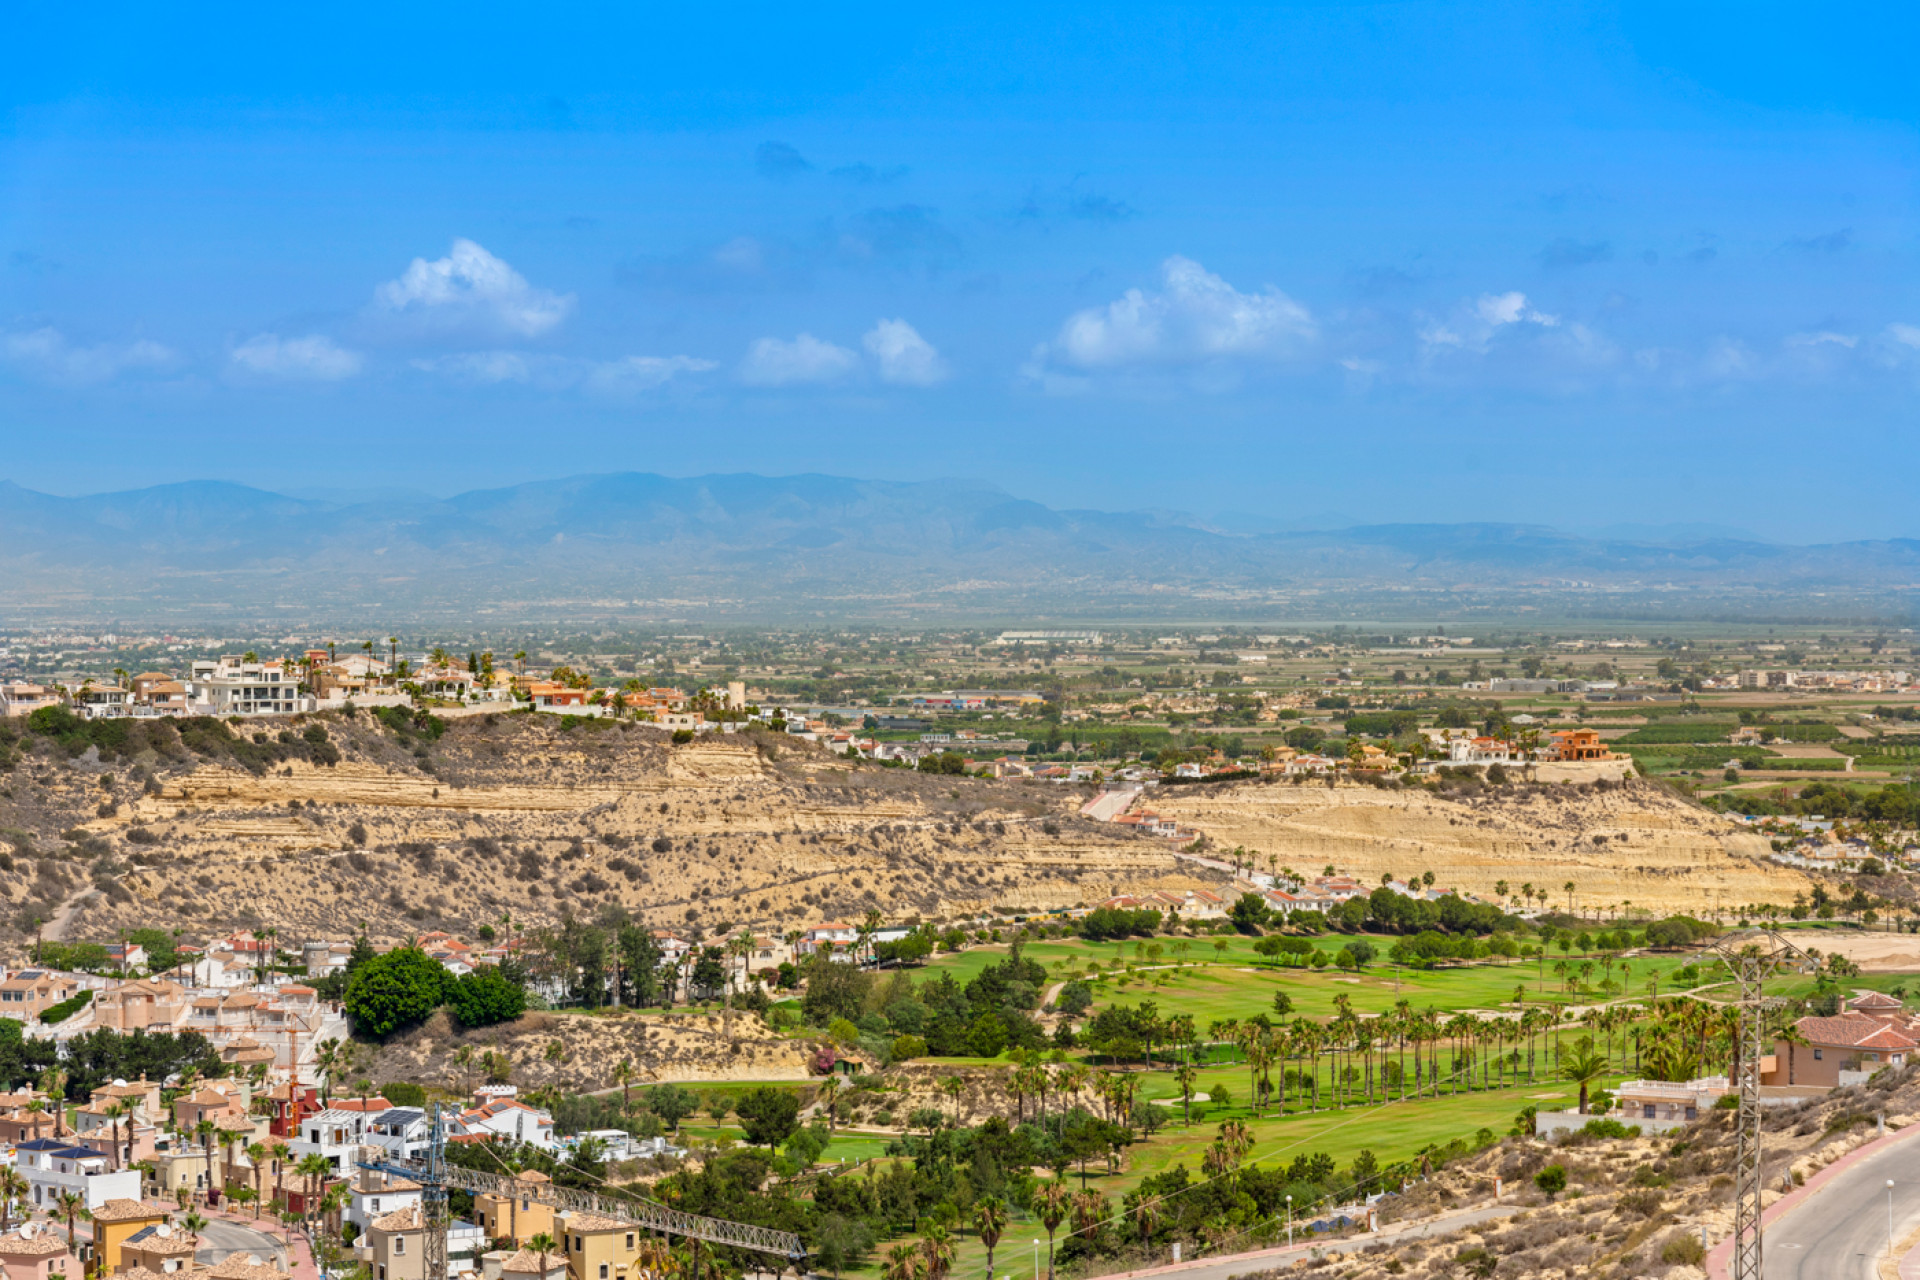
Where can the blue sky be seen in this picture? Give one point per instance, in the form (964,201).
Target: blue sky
(1291,264)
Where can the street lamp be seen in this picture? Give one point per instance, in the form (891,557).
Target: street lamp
(1036,1259)
(1889,1217)
(1289,1222)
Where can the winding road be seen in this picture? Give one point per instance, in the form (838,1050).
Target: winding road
(1841,1232)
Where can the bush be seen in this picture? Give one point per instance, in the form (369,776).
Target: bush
(1683,1249)
(1552,1180)
(1609,1129)
(906,1048)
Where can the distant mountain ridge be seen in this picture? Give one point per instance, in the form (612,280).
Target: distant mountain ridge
(746,545)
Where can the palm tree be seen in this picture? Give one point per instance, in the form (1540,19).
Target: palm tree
(119,1110)
(990,1222)
(1186,1075)
(904,1262)
(543,1244)
(71,1205)
(1583,1068)
(257,1158)
(13,1188)
(53,1082)
(1050,1202)
(313,1170)
(280,1151)
(1568,886)
(953,1087)
(936,1246)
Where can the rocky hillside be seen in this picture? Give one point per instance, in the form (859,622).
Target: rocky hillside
(1634,842)
(333,820)
(350,819)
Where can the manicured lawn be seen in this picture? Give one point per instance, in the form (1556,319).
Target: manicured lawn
(1213,986)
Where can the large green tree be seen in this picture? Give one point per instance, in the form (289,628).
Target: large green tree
(769,1116)
(396,990)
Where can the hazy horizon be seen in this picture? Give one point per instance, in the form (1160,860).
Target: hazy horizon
(1607,265)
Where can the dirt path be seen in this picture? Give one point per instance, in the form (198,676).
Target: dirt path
(62,918)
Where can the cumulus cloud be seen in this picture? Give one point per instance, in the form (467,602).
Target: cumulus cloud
(47,353)
(1195,317)
(314,357)
(771,362)
(628,374)
(903,356)
(472,287)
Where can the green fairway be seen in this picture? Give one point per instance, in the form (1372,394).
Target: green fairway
(1236,983)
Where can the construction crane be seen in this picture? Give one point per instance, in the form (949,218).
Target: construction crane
(1754,955)
(435,1176)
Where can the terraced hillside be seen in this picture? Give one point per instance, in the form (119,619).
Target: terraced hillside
(1627,842)
(518,814)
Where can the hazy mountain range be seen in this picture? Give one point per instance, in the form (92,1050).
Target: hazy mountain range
(825,548)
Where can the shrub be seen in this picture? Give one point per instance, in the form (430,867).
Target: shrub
(909,1047)
(1610,1129)
(1552,1180)
(1683,1249)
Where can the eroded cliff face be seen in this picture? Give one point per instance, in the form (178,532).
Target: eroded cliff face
(519,816)
(1632,842)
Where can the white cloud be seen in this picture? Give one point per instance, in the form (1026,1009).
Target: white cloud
(470,285)
(1473,326)
(644,373)
(558,373)
(1823,339)
(773,363)
(47,352)
(1194,317)
(903,355)
(1905,334)
(314,357)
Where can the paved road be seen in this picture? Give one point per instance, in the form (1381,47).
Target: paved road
(222,1238)
(1841,1233)
(1205,1269)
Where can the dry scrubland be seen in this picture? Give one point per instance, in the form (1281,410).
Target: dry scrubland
(1631,1204)
(513,813)
(1636,842)
(579,1052)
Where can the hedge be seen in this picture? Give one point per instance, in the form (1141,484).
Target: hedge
(67,1008)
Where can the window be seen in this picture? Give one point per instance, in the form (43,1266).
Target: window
(1816,1055)
(603,1271)
(629,1240)
(399,1246)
